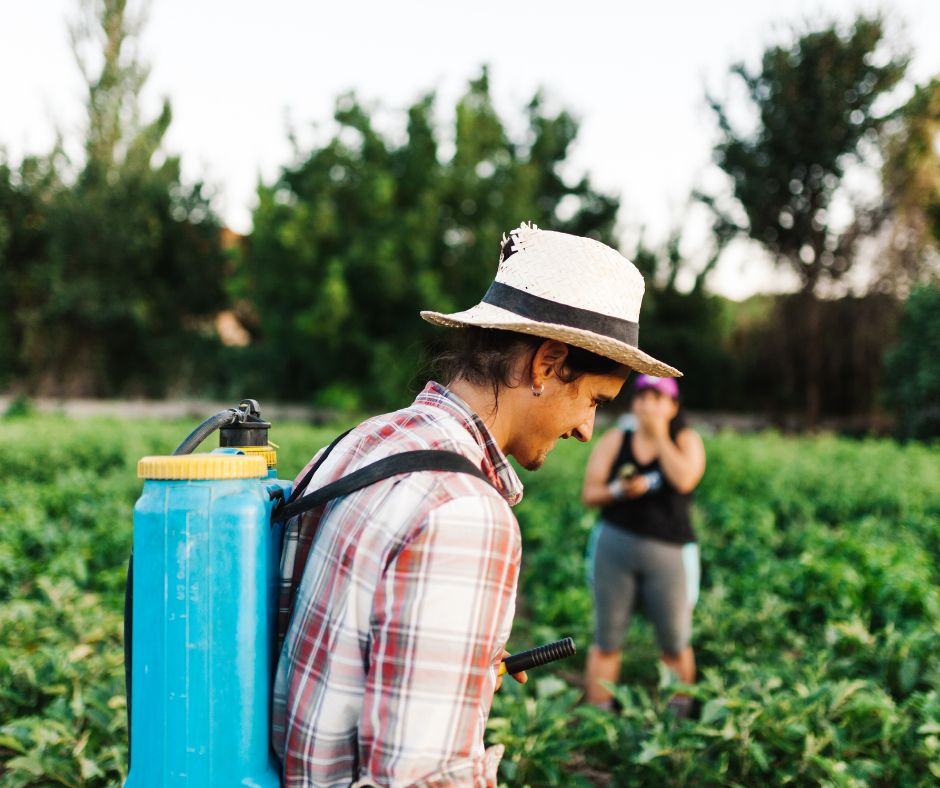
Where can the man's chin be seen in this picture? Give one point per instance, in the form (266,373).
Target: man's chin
(536,463)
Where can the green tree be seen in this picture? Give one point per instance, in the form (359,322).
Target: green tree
(911,177)
(912,366)
(25,193)
(354,240)
(816,107)
(119,296)
(690,328)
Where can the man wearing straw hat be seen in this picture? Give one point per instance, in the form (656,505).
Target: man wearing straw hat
(399,617)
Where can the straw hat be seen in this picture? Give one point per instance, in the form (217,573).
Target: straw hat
(564,287)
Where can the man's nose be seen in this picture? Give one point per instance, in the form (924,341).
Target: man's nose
(584,432)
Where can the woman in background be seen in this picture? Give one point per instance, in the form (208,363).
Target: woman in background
(643,478)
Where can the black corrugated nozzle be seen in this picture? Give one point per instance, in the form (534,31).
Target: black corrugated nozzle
(540,655)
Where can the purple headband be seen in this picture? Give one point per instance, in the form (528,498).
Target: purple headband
(667,386)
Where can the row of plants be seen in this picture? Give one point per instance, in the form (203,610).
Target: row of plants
(816,631)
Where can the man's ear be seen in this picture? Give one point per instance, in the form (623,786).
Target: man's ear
(547,361)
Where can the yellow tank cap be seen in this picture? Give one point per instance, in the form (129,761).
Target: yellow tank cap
(202,466)
(267,452)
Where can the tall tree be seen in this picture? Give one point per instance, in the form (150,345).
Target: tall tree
(816,104)
(911,176)
(687,326)
(132,267)
(25,194)
(359,236)
(912,383)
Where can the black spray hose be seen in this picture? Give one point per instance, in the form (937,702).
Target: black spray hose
(221,419)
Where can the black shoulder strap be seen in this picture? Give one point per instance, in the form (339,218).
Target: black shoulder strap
(302,484)
(406,462)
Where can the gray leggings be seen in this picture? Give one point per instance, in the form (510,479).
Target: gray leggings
(666,576)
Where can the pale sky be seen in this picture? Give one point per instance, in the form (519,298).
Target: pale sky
(635,74)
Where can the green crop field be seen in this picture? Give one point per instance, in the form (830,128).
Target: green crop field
(817,632)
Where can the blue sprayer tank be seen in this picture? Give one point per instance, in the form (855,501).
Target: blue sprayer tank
(204,609)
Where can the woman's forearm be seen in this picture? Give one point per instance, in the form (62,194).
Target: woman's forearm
(681,470)
(596,494)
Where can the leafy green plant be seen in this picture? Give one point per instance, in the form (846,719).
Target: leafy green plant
(816,632)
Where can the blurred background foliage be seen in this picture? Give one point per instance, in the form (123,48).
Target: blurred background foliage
(111,269)
(350,243)
(118,279)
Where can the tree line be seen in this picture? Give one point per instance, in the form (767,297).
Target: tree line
(114,272)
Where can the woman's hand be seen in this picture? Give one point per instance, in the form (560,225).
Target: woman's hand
(683,461)
(636,486)
(659,426)
(654,413)
(522,677)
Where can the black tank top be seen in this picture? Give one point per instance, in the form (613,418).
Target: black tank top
(660,514)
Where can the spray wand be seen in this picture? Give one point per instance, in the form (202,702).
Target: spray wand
(534,657)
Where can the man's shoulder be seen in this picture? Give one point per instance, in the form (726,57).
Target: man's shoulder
(420,427)
(409,429)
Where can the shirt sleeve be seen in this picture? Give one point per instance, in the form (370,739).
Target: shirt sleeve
(440,620)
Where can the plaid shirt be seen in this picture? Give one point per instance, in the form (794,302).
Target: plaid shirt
(390,662)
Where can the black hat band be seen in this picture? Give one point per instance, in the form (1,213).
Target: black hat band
(544,310)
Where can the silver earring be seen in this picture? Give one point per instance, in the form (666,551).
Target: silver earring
(537,392)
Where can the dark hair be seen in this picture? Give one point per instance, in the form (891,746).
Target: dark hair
(486,356)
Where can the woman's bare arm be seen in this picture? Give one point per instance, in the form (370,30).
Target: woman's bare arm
(682,462)
(595,492)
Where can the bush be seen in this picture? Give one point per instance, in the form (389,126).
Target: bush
(912,379)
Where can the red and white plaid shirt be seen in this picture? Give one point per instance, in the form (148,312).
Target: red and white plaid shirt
(390,661)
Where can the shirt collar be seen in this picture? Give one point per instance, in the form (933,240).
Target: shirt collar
(496,464)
